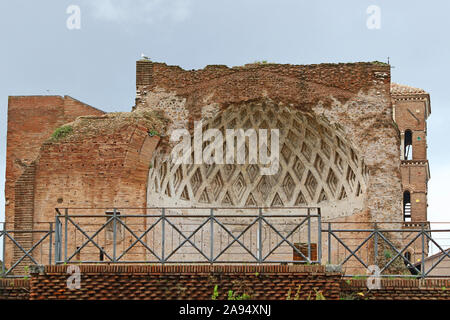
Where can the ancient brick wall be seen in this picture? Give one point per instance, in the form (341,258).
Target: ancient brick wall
(187,282)
(105,166)
(351,102)
(14,289)
(398,289)
(31,121)
(92,171)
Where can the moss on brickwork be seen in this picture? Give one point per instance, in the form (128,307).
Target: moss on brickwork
(62,132)
(91,126)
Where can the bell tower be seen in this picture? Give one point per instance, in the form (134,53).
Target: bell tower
(411,109)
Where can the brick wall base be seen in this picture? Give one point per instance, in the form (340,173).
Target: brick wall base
(187,282)
(397,289)
(197,282)
(14,289)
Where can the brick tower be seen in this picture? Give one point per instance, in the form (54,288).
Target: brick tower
(411,109)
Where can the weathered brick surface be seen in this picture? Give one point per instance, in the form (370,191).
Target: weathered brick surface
(355,97)
(399,289)
(110,169)
(31,121)
(191,282)
(104,170)
(14,289)
(412,108)
(196,282)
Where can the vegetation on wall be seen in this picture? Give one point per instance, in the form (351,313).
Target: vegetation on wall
(62,132)
(91,126)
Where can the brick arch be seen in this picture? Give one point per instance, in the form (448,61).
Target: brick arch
(355,97)
(318,166)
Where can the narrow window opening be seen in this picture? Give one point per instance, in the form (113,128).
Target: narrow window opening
(408,145)
(101,257)
(407,206)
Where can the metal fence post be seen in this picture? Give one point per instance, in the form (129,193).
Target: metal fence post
(163,233)
(260,236)
(50,244)
(376,244)
(114,234)
(57,240)
(329,242)
(309,235)
(212,235)
(422,261)
(66,213)
(319,236)
(4,247)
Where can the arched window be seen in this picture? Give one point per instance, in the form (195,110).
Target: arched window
(407,206)
(408,145)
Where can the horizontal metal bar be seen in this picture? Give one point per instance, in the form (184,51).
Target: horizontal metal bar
(27,231)
(151,262)
(382,230)
(192,208)
(195,216)
(365,276)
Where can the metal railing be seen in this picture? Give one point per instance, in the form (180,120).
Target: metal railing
(188,235)
(400,249)
(229,235)
(40,240)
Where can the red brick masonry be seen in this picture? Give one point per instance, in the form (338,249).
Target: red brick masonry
(14,289)
(191,282)
(196,282)
(398,289)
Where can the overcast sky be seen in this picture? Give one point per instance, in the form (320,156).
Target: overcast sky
(96,64)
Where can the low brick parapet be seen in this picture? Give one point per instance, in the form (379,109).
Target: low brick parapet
(397,289)
(14,289)
(190,282)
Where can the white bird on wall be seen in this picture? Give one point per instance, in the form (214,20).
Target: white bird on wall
(143,56)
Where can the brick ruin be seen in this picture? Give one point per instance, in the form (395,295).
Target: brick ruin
(194,282)
(351,143)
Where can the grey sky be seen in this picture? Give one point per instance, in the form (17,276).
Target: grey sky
(96,64)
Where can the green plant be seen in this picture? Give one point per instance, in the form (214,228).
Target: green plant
(153,133)
(359,277)
(380,63)
(62,132)
(288,297)
(347,296)
(297,294)
(232,296)
(26,269)
(215,292)
(387,254)
(319,295)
